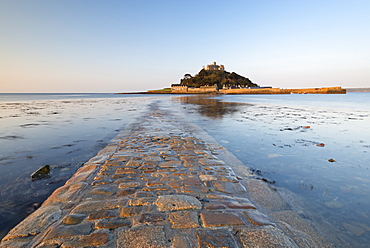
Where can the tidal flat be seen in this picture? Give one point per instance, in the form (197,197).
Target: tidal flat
(313,149)
(62,133)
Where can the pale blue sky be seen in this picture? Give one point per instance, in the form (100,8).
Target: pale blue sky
(116,46)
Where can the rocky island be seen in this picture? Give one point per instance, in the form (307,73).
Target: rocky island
(214,79)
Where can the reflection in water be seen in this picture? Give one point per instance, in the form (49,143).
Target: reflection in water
(60,133)
(291,147)
(213,108)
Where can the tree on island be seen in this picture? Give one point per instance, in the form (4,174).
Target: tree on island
(220,78)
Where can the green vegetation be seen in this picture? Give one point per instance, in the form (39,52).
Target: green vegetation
(164,89)
(208,77)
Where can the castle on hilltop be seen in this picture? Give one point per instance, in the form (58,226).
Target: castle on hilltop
(214,67)
(213,79)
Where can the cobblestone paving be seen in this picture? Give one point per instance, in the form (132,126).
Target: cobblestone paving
(155,185)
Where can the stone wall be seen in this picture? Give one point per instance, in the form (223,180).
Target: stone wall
(203,89)
(325,90)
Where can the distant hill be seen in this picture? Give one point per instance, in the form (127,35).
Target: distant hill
(358,89)
(219,77)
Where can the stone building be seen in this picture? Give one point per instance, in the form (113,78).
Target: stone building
(179,87)
(214,67)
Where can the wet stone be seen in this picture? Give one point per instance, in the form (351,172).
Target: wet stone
(194,189)
(170,164)
(133,163)
(180,241)
(266,237)
(41,219)
(296,225)
(207,178)
(112,223)
(229,178)
(65,193)
(107,170)
(148,218)
(102,214)
(120,176)
(117,158)
(69,231)
(147,167)
(150,184)
(74,219)
(128,185)
(125,171)
(92,240)
(113,163)
(143,194)
(211,162)
(154,189)
(220,219)
(82,174)
(153,158)
(90,206)
(126,192)
(257,218)
(181,174)
(160,174)
(141,201)
(183,219)
(215,238)
(229,187)
(104,191)
(174,184)
(147,177)
(101,177)
(191,182)
(129,211)
(264,195)
(237,205)
(103,181)
(177,202)
(189,159)
(42,172)
(190,165)
(142,236)
(209,206)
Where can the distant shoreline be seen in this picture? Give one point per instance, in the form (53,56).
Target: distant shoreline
(358,89)
(222,93)
(242,91)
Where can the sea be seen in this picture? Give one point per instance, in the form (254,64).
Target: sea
(312,149)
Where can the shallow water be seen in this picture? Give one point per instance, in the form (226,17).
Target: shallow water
(288,142)
(62,131)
